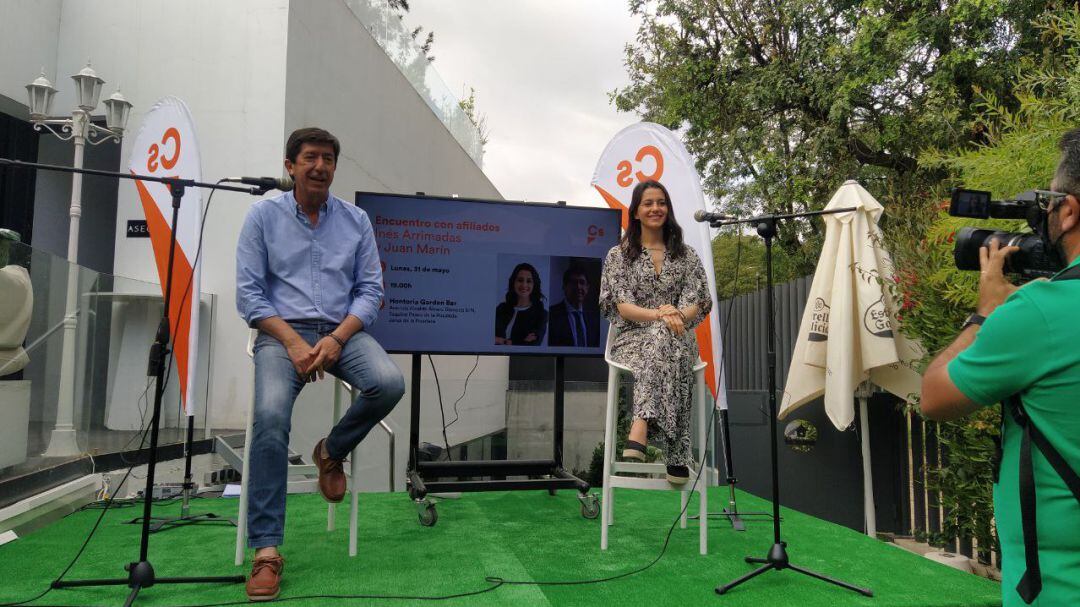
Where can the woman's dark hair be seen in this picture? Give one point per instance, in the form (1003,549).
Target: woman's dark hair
(536,296)
(631,240)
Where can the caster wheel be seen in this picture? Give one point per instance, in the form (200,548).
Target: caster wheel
(429,516)
(590,507)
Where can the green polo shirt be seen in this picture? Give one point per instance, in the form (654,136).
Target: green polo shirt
(1031,345)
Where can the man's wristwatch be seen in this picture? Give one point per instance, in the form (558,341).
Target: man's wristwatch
(974,319)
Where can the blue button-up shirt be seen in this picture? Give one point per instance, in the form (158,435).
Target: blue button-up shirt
(287,268)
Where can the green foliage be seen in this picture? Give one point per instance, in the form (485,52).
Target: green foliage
(479,119)
(1018,152)
(747,251)
(780,102)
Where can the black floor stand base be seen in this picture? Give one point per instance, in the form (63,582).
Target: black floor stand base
(141,575)
(164,523)
(778,560)
(735,517)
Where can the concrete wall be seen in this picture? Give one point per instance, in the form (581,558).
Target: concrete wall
(30,31)
(530,413)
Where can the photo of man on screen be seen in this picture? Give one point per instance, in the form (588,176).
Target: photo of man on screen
(572,322)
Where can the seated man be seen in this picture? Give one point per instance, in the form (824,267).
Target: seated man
(308,277)
(570,323)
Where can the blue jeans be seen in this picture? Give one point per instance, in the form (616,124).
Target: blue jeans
(363,363)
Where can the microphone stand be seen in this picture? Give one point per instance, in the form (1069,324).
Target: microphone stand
(777,558)
(732,511)
(141,573)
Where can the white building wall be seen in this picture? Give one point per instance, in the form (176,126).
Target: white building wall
(340,79)
(226,60)
(251,71)
(29,30)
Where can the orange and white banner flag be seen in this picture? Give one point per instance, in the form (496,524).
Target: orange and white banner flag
(166,147)
(647,151)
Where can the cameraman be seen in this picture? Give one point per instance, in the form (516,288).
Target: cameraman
(1027,356)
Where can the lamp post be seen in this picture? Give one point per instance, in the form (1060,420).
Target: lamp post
(80,130)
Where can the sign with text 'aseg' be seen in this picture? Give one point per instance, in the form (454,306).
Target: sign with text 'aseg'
(477,276)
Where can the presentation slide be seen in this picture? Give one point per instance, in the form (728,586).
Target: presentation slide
(491,277)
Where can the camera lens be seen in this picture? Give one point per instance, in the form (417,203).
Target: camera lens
(1030,261)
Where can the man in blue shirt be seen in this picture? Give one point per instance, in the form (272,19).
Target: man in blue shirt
(308,278)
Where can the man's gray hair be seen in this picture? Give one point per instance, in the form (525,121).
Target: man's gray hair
(1067,177)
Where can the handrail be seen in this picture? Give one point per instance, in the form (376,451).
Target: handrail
(34,344)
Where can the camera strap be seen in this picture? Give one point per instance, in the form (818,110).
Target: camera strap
(1031,582)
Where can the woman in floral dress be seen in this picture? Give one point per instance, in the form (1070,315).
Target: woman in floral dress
(654,291)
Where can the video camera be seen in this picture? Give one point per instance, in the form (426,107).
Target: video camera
(1034,259)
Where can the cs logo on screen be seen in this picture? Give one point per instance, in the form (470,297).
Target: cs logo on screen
(594,233)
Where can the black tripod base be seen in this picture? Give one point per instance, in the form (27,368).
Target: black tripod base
(735,517)
(736,520)
(164,523)
(778,560)
(141,575)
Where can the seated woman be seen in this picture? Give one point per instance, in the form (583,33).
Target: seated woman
(654,290)
(521,320)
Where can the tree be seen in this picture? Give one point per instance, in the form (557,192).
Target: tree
(1018,152)
(739,263)
(780,101)
(479,120)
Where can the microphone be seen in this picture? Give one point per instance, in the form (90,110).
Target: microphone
(264,183)
(704,216)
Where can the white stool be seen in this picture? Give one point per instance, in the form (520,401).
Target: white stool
(307,470)
(612,467)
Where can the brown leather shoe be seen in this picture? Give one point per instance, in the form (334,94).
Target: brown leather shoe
(331,475)
(265,581)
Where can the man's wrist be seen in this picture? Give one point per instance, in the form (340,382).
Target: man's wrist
(340,342)
(975,319)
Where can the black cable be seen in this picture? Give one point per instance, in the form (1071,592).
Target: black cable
(457,416)
(86,542)
(667,538)
(442,411)
(165,381)
(494,581)
(338,597)
(194,268)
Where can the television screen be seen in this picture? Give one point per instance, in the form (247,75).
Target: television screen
(490,277)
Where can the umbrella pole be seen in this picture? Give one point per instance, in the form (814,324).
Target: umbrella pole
(869,512)
(777,557)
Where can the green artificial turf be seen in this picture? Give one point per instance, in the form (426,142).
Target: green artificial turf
(520,536)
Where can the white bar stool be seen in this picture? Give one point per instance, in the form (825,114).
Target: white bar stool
(309,484)
(611,467)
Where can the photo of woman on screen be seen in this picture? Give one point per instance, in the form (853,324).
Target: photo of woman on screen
(521,319)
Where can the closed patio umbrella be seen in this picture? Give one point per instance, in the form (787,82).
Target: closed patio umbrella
(847,335)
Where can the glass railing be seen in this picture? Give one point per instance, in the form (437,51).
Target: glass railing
(73,363)
(395,37)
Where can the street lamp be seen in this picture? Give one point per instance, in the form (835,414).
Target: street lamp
(79,129)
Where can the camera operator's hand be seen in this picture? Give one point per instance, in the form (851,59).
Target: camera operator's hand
(994,288)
